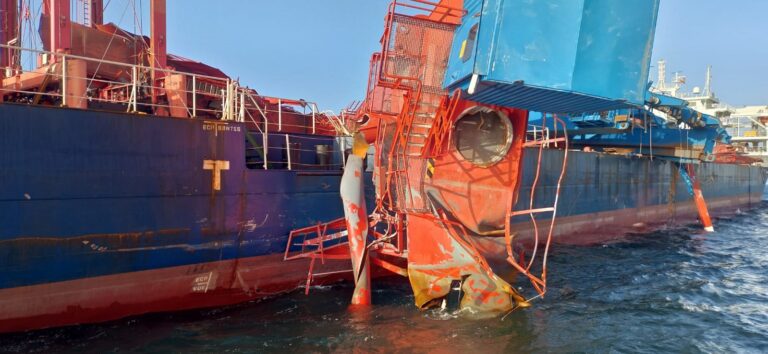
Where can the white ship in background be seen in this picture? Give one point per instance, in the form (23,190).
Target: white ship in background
(748,125)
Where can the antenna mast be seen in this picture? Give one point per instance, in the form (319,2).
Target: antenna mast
(708,82)
(662,81)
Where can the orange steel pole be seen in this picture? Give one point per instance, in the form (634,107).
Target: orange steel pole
(9,27)
(9,31)
(60,27)
(698,198)
(97,12)
(157,44)
(356,216)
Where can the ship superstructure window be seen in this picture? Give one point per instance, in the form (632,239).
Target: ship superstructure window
(292,152)
(254,151)
(468,46)
(483,136)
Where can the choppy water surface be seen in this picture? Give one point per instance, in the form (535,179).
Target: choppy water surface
(670,291)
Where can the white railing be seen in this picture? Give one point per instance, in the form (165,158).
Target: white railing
(131,87)
(297,152)
(119,83)
(538,133)
(127,87)
(745,126)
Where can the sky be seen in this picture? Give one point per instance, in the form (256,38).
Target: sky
(731,35)
(319,50)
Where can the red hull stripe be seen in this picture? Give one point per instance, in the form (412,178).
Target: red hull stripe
(111,297)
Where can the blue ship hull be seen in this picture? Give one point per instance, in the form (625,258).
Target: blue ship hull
(88,195)
(106,215)
(604,196)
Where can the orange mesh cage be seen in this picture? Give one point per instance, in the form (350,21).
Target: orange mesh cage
(414,57)
(417,49)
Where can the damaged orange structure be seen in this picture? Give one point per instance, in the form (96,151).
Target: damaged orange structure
(438,197)
(467,191)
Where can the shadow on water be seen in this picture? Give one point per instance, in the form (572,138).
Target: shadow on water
(671,290)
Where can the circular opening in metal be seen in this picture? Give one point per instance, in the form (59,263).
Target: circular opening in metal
(483,136)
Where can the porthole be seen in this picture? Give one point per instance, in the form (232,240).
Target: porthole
(483,136)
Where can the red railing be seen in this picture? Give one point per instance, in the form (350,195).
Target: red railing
(539,282)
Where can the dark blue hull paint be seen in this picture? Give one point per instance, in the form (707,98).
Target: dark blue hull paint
(604,195)
(86,194)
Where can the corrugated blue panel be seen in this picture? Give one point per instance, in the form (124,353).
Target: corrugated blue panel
(614,51)
(598,51)
(541,99)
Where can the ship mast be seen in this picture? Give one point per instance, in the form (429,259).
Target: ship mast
(157,45)
(708,82)
(59,27)
(94,11)
(662,80)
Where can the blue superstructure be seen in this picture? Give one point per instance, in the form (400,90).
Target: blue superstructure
(555,55)
(666,127)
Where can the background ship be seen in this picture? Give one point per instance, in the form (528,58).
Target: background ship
(746,124)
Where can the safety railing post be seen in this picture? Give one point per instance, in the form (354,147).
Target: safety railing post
(265,141)
(194,96)
(279,115)
(230,101)
(227,99)
(314,110)
(288,150)
(224,101)
(233,114)
(132,98)
(233,104)
(64,80)
(242,107)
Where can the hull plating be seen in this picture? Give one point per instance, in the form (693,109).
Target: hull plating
(105,215)
(604,197)
(110,297)
(91,198)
